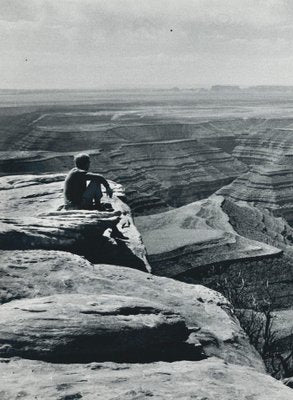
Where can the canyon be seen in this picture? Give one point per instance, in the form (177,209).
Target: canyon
(160,165)
(143,314)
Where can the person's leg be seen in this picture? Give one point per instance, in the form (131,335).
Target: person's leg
(93,193)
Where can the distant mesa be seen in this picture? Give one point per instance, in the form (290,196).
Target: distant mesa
(257,89)
(271,88)
(225,88)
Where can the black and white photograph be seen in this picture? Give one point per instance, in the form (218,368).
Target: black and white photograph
(146,199)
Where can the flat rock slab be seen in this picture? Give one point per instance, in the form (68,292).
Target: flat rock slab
(31,220)
(82,328)
(210,379)
(207,314)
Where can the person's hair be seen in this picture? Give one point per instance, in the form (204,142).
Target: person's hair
(82,160)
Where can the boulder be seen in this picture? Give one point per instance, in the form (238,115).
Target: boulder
(83,328)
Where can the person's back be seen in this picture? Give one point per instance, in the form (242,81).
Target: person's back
(74,188)
(77,195)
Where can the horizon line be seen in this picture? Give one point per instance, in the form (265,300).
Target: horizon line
(169,87)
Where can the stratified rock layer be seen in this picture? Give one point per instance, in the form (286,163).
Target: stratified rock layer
(161,166)
(207,314)
(180,170)
(206,379)
(269,186)
(267,145)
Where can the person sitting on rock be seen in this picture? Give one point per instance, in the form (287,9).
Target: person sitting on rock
(80,195)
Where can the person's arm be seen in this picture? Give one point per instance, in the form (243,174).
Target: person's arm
(99,179)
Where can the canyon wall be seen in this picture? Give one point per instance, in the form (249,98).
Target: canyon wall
(161,166)
(268,187)
(267,145)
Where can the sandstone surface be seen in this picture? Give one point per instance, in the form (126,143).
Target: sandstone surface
(31,220)
(207,314)
(207,379)
(83,328)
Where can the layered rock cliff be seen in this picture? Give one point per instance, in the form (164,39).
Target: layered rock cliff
(157,175)
(266,145)
(161,166)
(269,186)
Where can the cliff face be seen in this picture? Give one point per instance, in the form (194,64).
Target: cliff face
(269,186)
(268,145)
(176,171)
(48,130)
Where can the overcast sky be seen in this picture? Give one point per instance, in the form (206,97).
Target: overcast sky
(142,43)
